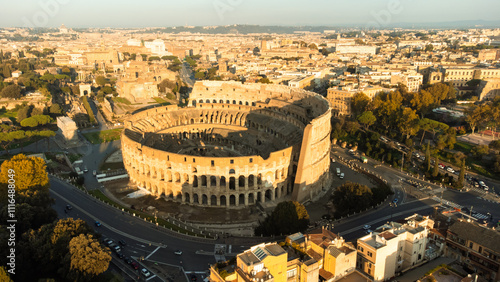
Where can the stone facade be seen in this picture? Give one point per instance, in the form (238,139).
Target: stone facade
(234,145)
(68,128)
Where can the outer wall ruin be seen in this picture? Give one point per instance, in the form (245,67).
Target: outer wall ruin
(233,146)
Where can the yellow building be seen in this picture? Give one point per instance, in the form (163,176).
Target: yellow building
(269,263)
(340,97)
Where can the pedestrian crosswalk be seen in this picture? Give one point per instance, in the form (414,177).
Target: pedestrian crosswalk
(476,215)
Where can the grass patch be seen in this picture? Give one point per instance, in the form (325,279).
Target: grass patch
(122,100)
(74,157)
(98,194)
(112,166)
(103,136)
(463,147)
(161,101)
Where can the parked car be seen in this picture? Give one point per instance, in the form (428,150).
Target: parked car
(134,265)
(109,242)
(145,272)
(122,242)
(441,166)
(98,224)
(450,169)
(193,277)
(366,227)
(69,207)
(127,260)
(120,255)
(341,175)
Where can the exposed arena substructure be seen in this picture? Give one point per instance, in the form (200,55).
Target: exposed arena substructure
(233,146)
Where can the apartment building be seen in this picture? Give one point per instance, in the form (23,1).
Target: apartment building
(476,247)
(340,97)
(412,80)
(271,262)
(393,248)
(336,258)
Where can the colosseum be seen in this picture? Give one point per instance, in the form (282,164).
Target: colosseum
(234,145)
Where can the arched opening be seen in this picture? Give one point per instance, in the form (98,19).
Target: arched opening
(251,180)
(204,199)
(251,199)
(232,200)
(269,196)
(186,198)
(177,177)
(231,171)
(213,181)
(203,180)
(195,198)
(259,197)
(241,181)
(241,200)
(223,181)
(259,179)
(232,183)
(195,181)
(213,200)
(223,200)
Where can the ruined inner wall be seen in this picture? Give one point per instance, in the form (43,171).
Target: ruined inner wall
(235,145)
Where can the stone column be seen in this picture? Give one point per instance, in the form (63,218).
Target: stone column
(246,199)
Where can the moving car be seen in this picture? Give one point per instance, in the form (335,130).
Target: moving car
(341,176)
(178,252)
(98,224)
(69,207)
(395,201)
(367,227)
(338,171)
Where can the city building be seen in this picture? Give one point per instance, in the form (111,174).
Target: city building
(476,247)
(68,128)
(340,97)
(393,248)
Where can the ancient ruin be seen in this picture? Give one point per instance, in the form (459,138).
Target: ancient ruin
(234,145)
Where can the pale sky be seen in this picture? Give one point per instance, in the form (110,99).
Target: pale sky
(164,13)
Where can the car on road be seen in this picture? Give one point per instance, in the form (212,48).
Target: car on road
(450,169)
(367,227)
(441,166)
(368,231)
(127,260)
(481,183)
(134,265)
(94,173)
(98,224)
(85,169)
(69,207)
(341,175)
(120,255)
(395,201)
(145,272)
(338,171)
(178,252)
(122,242)
(117,248)
(193,277)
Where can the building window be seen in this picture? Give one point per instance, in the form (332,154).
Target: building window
(231,161)
(471,245)
(251,160)
(213,163)
(370,254)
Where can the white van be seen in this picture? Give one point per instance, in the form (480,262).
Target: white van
(338,171)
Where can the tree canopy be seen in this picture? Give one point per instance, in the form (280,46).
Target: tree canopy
(287,218)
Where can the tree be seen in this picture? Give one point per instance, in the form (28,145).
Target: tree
(101,80)
(435,170)
(422,102)
(30,172)
(88,257)
(428,156)
(429,47)
(408,122)
(351,197)
(264,80)
(367,119)
(4,276)
(55,109)
(461,176)
(359,103)
(287,218)
(6,71)
(11,91)
(24,112)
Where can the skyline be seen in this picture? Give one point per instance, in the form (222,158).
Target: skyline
(155,13)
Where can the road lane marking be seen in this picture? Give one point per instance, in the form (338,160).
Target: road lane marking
(157,248)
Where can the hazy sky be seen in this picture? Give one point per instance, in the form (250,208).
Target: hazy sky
(155,13)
